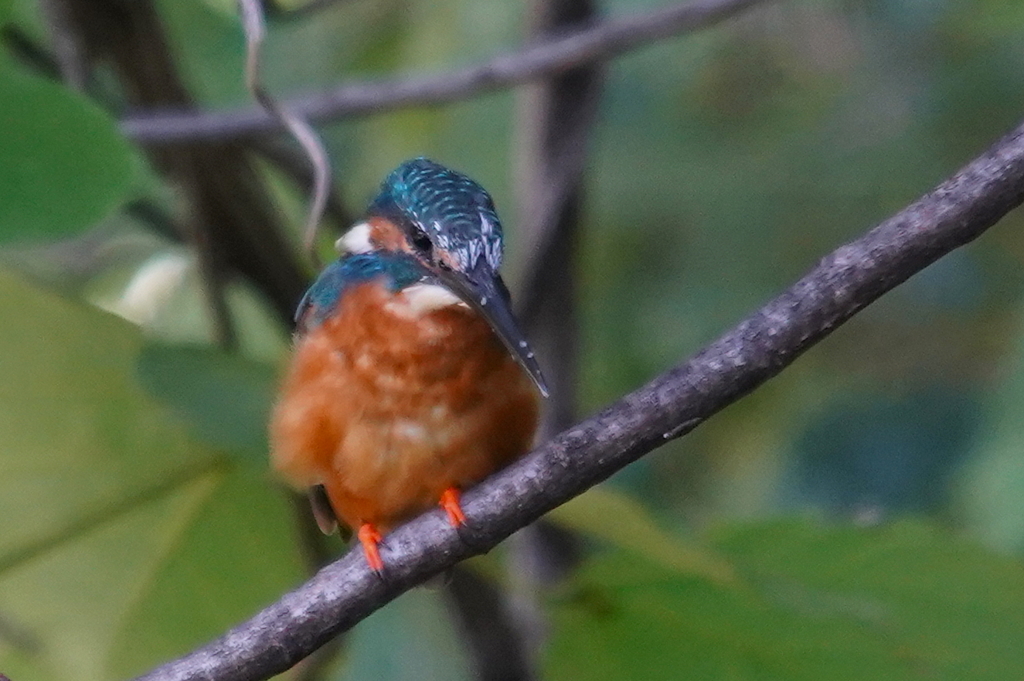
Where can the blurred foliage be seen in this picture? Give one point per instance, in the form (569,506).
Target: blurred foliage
(65,165)
(137,517)
(226,398)
(900,602)
(121,538)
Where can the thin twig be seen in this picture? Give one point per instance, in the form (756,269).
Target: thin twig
(673,404)
(255,32)
(291,161)
(602,41)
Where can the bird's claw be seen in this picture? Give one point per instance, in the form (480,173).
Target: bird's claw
(370,540)
(452,507)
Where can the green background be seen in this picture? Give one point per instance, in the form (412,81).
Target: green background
(860,517)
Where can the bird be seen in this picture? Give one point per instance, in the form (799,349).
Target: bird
(410,379)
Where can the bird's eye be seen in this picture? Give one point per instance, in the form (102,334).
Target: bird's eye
(421,242)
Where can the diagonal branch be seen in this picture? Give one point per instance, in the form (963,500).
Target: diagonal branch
(844,282)
(555,120)
(545,59)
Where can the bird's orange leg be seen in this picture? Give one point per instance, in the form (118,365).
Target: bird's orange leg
(450,504)
(369,537)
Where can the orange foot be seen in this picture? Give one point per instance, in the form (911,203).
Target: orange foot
(369,537)
(450,504)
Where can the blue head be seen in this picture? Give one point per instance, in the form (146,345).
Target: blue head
(448,224)
(443,214)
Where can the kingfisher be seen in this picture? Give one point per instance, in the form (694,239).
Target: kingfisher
(410,378)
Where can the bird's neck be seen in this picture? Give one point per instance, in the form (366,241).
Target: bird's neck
(422,327)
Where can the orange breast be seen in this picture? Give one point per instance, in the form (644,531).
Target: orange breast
(387,408)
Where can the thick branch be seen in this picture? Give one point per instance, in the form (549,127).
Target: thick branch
(602,41)
(844,282)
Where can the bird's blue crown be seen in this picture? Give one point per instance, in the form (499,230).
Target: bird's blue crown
(452,210)
(397,270)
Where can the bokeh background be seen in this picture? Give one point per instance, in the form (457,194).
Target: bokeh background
(859,517)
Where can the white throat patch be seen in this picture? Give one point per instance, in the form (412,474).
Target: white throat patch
(420,299)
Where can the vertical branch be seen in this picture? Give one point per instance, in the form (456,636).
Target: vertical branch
(73,47)
(69,51)
(554,123)
(212,279)
(481,611)
(218,182)
(555,119)
(228,218)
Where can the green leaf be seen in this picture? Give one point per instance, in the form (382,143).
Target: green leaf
(234,555)
(905,601)
(225,398)
(63,163)
(615,518)
(114,523)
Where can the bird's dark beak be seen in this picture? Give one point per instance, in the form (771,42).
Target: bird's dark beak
(483,290)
